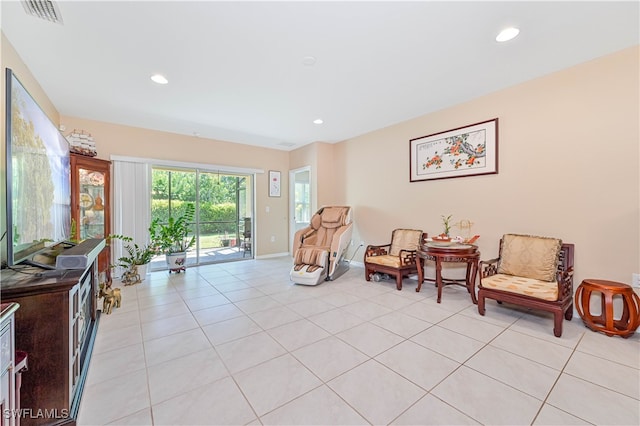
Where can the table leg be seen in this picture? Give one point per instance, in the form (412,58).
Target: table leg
(420,266)
(439,278)
(471,281)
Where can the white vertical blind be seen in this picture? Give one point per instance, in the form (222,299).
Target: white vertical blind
(131,203)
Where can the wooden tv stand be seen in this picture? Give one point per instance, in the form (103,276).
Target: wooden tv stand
(56,325)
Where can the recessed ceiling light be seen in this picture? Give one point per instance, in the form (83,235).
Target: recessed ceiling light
(159,78)
(309,60)
(507,34)
(318,121)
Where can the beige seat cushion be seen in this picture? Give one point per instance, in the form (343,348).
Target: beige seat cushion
(545,290)
(385,260)
(529,256)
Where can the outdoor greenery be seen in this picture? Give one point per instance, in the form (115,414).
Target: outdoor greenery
(214,218)
(213,188)
(174,236)
(174,189)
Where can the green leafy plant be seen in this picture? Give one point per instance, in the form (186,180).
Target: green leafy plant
(136,254)
(173,236)
(446,223)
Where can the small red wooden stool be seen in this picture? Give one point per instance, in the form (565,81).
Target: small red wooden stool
(605,322)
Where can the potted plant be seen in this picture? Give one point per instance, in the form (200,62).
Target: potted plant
(446,223)
(444,237)
(136,259)
(225,241)
(174,238)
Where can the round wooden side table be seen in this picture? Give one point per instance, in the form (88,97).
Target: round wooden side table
(605,322)
(458,253)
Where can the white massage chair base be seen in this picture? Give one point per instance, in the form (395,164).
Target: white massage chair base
(319,275)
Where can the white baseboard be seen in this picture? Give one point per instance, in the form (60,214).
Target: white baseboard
(268,256)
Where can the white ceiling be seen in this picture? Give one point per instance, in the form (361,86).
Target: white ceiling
(236,69)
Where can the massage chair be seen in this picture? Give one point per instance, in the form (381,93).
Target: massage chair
(319,249)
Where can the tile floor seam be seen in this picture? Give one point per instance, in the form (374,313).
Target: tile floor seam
(288,402)
(151,403)
(144,352)
(611,360)
(232,377)
(452,331)
(420,386)
(507,384)
(555,382)
(577,416)
(601,386)
(322,381)
(439,399)
(261,362)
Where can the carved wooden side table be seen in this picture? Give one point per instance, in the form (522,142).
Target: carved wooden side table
(606,322)
(459,253)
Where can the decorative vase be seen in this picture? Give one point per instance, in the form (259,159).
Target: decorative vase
(142,271)
(177,261)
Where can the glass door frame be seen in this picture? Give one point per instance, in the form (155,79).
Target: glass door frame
(294,225)
(197,224)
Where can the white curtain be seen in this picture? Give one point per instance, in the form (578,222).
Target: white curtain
(131,204)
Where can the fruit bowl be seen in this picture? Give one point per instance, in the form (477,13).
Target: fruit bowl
(442,241)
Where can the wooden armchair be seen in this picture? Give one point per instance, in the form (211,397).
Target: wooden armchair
(535,272)
(398,258)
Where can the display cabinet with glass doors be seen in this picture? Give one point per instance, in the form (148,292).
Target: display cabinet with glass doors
(90,204)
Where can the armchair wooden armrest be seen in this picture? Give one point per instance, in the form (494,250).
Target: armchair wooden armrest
(488,267)
(408,257)
(377,250)
(565,283)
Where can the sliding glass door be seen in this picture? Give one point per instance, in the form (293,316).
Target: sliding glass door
(224,210)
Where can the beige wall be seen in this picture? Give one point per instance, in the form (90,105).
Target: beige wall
(319,156)
(568,167)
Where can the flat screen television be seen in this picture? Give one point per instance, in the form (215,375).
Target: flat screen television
(38,179)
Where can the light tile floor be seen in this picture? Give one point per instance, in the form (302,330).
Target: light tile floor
(238,343)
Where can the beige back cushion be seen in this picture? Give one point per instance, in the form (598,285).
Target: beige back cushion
(529,256)
(404,239)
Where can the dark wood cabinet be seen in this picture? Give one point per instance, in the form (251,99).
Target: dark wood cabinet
(8,364)
(56,325)
(91,203)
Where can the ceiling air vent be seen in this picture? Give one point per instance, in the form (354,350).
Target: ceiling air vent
(43,9)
